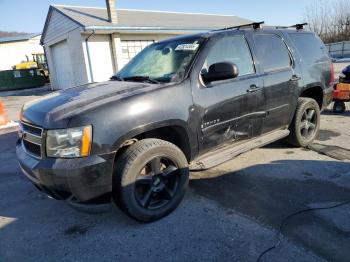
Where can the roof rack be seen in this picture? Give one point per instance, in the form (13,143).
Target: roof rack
(297,26)
(255,25)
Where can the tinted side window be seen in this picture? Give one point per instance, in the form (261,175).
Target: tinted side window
(273,53)
(310,47)
(232,49)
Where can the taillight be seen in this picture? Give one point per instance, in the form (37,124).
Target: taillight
(331,82)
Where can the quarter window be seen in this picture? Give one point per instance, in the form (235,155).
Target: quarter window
(232,49)
(310,46)
(272,51)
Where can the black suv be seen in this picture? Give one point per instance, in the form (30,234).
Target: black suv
(186,103)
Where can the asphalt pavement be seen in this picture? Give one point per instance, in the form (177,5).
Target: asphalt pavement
(230,213)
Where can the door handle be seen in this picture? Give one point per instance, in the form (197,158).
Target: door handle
(295,78)
(253,88)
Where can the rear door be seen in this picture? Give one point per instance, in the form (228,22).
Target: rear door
(280,80)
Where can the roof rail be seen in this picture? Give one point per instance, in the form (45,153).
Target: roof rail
(297,26)
(255,25)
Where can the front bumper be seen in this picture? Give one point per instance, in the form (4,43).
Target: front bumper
(78,180)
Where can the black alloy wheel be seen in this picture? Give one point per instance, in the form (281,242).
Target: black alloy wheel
(157,183)
(150,179)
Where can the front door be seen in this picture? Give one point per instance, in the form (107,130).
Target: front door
(230,110)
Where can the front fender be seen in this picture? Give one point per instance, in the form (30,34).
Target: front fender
(153,126)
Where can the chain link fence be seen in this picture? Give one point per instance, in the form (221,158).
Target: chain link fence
(339,50)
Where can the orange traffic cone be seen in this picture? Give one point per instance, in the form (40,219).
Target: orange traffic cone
(3,116)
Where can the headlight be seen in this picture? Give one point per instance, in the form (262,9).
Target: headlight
(71,142)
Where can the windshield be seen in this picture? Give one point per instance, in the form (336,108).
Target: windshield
(162,62)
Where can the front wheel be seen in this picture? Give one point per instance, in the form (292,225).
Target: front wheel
(306,123)
(150,179)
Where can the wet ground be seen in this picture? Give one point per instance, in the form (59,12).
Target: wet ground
(270,192)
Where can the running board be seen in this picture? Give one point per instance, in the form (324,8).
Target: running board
(226,153)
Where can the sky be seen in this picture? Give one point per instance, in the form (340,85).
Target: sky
(29,15)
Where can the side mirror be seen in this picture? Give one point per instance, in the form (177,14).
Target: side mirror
(220,71)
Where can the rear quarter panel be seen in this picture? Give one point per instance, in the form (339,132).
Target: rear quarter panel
(313,74)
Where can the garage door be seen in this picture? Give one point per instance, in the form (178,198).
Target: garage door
(100,51)
(62,63)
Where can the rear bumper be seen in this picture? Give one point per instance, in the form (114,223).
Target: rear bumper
(327,97)
(78,180)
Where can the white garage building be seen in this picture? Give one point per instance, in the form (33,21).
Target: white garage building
(18,49)
(89,44)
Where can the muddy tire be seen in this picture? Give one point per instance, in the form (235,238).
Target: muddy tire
(150,179)
(339,107)
(306,123)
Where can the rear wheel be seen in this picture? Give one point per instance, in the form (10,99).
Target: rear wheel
(306,123)
(339,107)
(150,179)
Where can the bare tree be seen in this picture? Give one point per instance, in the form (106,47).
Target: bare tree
(329,19)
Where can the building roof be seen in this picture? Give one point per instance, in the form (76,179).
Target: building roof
(17,38)
(97,18)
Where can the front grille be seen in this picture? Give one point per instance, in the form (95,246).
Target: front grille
(32,129)
(32,148)
(32,139)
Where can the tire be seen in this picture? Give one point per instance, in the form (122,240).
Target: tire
(150,179)
(339,107)
(304,120)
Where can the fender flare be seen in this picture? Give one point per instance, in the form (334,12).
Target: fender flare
(191,138)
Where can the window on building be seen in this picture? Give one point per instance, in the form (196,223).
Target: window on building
(272,51)
(130,48)
(232,49)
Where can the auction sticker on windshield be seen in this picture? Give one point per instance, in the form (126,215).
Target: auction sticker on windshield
(187,47)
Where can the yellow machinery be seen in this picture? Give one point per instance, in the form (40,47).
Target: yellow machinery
(38,62)
(26,65)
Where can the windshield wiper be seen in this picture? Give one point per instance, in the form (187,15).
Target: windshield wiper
(141,79)
(116,78)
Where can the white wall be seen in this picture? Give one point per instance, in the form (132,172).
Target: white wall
(13,53)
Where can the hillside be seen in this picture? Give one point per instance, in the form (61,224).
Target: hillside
(7,34)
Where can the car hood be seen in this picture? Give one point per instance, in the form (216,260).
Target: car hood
(55,110)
